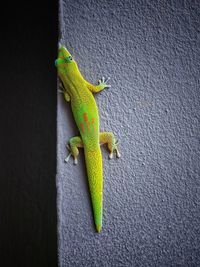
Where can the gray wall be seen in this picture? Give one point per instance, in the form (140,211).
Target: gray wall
(151,50)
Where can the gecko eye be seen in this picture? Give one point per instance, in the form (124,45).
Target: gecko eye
(68,59)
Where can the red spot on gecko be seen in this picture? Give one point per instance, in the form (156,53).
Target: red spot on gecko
(93,124)
(82,127)
(88,125)
(85,116)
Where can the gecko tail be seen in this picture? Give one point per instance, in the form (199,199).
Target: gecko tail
(98,227)
(95,180)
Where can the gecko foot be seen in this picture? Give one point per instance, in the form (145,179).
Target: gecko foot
(104,81)
(116,150)
(71,154)
(118,155)
(109,139)
(60,87)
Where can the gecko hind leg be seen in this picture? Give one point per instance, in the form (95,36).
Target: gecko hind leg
(109,139)
(73,145)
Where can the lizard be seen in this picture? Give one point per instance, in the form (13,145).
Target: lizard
(79,93)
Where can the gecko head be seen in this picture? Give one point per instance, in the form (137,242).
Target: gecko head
(65,60)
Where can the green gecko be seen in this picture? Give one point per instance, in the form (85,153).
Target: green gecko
(77,90)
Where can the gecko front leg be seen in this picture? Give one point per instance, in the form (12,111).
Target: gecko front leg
(109,139)
(102,84)
(73,145)
(63,91)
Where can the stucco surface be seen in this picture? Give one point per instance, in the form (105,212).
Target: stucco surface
(151,51)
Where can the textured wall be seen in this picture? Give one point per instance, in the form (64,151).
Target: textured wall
(151,50)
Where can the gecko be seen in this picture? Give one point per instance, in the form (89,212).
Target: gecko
(79,93)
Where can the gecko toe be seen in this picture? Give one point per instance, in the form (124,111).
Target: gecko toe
(118,155)
(110,156)
(68,157)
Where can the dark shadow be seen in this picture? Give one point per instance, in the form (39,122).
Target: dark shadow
(28,227)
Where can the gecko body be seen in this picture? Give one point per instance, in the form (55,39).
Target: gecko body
(80,93)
